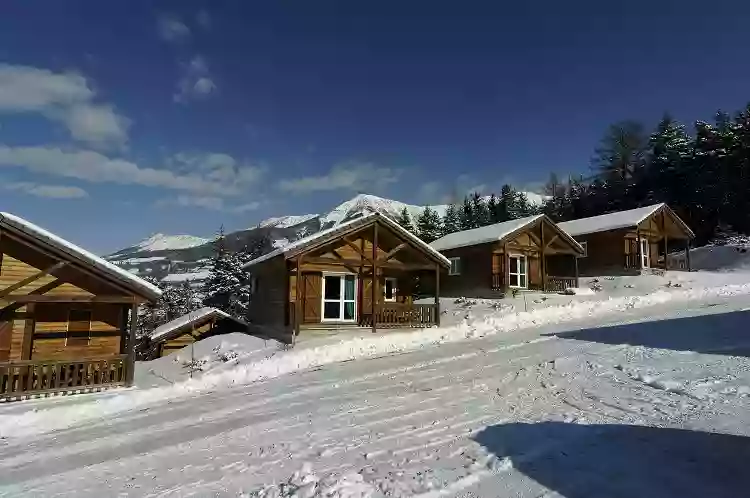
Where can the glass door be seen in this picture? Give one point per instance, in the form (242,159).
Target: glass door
(645,255)
(339,298)
(518,274)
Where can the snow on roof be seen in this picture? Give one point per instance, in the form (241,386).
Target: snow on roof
(83,255)
(183,277)
(164,330)
(482,235)
(343,227)
(613,221)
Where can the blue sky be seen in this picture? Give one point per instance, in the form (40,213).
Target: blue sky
(121,119)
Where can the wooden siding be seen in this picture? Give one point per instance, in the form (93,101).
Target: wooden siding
(183,340)
(273,307)
(40,330)
(608,251)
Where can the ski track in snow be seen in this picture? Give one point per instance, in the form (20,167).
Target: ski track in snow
(419,424)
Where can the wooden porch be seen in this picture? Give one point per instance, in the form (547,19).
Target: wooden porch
(33,377)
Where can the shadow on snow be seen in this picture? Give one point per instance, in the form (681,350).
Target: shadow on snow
(625,461)
(725,333)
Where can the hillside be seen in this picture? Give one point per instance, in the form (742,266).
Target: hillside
(176,258)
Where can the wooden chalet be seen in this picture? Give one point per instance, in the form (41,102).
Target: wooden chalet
(366,272)
(526,253)
(191,327)
(66,315)
(626,242)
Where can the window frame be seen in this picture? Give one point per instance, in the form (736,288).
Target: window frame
(342,301)
(457,261)
(525,259)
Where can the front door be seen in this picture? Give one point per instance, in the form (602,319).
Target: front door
(645,254)
(339,297)
(518,272)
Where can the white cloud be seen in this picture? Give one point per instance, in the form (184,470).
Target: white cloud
(351,176)
(172,29)
(210,178)
(48,191)
(203,19)
(63,97)
(212,203)
(195,82)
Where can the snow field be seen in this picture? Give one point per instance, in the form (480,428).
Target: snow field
(42,420)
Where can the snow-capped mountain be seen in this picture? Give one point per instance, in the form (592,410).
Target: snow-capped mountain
(176,258)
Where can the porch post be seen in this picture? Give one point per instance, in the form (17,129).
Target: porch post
(687,255)
(575,258)
(375,304)
(666,251)
(506,277)
(543,262)
(130,370)
(638,244)
(437,294)
(297,301)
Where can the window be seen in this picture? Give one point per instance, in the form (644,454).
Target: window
(645,254)
(455,266)
(585,246)
(339,297)
(390,289)
(79,328)
(518,275)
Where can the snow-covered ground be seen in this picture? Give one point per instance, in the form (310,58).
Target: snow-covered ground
(639,389)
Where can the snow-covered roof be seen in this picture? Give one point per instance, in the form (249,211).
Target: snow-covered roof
(483,235)
(114,271)
(345,227)
(165,330)
(617,220)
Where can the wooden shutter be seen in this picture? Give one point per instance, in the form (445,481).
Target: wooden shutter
(534,269)
(311,297)
(6,332)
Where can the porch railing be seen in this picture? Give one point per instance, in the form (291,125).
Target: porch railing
(31,377)
(498,282)
(393,315)
(631,261)
(559,284)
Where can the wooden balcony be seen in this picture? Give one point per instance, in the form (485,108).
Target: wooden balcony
(32,377)
(559,284)
(393,315)
(632,262)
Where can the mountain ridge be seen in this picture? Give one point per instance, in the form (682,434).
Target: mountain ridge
(174,259)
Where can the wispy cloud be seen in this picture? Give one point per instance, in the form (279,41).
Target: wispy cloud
(212,203)
(171,29)
(63,97)
(47,191)
(203,19)
(196,81)
(224,178)
(349,176)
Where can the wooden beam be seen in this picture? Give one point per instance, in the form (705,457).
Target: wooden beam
(130,363)
(687,254)
(297,301)
(374,262)
(543,256)
(26,281)
(536,239)
(392,252)
(63,298)
(575,258)
(551,241)
(638,243)
(353,264)
(28,333)
(666,239)
(506,277)
(78,266)
(11,308)
(358,250)
(437,295)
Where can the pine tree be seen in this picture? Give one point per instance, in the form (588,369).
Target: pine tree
(670,150)
(404,219)
(226,287)
(466,215)
(451,220)
(505,204)
(492,210)
(428,225)
(479,210)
